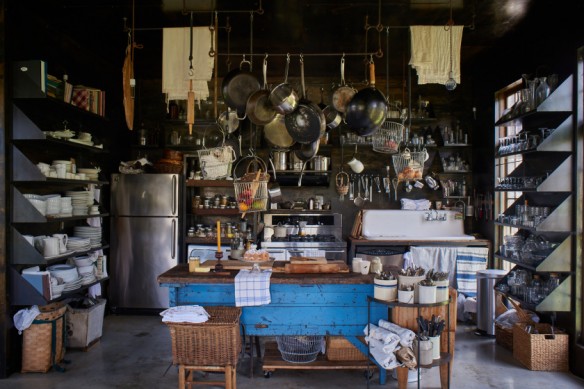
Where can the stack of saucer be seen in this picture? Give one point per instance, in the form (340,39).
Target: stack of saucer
(72,285)
(66,207)
(93,233)
(90,174)
(78,244)
(79,200)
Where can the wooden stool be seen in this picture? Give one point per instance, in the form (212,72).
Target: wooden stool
(186,376)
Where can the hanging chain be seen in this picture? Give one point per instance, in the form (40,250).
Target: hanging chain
(228,29)
(213,32)
(191,71)
(251,41)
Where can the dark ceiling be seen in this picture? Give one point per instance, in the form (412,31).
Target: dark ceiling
(282,26)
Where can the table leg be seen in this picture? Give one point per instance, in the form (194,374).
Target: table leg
(181,377)
(229,377)
(402,377)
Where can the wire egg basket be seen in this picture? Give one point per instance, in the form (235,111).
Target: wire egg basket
(251,190)
(409,165)
(388,137)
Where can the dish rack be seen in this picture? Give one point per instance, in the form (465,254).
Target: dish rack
(388,138)
(409,165)
(251,190)
(216,162)
(300,349)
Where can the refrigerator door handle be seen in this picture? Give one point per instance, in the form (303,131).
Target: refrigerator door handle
(174,194)
(173,241)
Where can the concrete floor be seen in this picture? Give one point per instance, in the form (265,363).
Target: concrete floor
(134,352)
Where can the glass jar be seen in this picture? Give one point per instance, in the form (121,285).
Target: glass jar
(376,266)
(191,232)
(194,262)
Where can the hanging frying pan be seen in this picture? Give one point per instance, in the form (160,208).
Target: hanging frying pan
(306,124)
(367,110)
(283,97)
(259,109)
(343,93)
(276,133)
(306,151)
(128,78)
(237,86)
(228,121)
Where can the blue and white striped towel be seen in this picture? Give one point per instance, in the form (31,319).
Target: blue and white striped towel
(252,288)
(469,260)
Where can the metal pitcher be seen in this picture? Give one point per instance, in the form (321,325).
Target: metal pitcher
(280,159)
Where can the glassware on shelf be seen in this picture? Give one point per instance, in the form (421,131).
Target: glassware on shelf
(542,91)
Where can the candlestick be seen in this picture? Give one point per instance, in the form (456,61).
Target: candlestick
(218,236)
(218,265)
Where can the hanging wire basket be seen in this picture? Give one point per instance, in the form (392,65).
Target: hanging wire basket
(409,165)
(388,138)
(300,349)
(216,162)
(251,190)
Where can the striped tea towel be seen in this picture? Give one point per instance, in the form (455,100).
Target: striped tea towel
(252,288)
(469,260)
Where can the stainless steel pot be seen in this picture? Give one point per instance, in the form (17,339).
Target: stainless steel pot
(280,231)
(295,162)
(320,163)
(280,159)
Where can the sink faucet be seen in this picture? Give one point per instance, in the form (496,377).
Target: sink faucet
(462,209)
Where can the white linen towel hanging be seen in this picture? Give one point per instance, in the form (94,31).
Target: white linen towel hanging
(430,47)
(175,62)
(441,259)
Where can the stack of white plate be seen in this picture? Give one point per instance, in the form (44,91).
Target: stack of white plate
(66,207)
(40,205)
(93,233)
(78,244)
(76,284)
(53,204)
(79,201)
(90,174)
(87,278)
(65,272)
(67,164)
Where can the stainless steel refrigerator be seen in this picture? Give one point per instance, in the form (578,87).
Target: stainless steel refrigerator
(145,229)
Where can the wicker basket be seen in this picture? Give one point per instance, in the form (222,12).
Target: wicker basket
(504,335)
(547,350)
(340,349)
(216,162)
(388,138)
(42,344)
(216,342)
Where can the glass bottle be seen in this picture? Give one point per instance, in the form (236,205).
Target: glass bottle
(542,91)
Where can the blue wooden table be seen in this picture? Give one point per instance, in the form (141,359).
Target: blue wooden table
(302,304)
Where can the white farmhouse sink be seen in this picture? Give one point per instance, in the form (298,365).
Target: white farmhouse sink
(382,224)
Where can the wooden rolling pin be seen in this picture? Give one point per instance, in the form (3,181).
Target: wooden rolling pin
(191,107)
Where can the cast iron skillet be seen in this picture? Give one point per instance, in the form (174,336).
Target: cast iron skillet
(237,86)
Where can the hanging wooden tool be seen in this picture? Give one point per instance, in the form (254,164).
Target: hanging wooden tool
(191,94)
(128,80)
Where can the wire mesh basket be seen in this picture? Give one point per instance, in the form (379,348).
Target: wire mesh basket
(216,162)
(300,349)
(409,165)
(388,138)
(251,190)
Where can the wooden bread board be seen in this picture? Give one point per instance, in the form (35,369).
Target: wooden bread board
(330,267)
(308,260)
(231,264)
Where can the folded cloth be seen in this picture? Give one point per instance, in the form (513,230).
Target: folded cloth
(252,287)
(430,48)
(387,360)
(185,314)
(406,336)
(469,260)
(176,47)
(388,338)
(24,318)
(416,205)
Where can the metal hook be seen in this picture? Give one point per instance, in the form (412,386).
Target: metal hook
(301,58)
(370,58)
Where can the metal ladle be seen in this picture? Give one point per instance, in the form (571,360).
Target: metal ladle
(359,200)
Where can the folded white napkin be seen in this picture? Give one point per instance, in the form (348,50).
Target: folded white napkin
(406,336)
(387,360)
(388,338)
(185,314)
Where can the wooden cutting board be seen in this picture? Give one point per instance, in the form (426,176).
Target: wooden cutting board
(231,264)
(330,267)
(308,260)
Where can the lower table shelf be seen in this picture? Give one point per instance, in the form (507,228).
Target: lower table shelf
(273,361)
(444,358)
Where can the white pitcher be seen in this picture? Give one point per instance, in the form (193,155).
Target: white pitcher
(50,247)
(63,239)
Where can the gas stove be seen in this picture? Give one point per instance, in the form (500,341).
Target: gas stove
(321,232)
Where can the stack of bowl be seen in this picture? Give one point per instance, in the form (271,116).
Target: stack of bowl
(90,174)
(37,201)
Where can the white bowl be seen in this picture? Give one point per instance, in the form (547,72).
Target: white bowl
(83,261)
(40,205)
(32,196)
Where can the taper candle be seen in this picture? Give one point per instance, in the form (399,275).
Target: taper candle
(218,236)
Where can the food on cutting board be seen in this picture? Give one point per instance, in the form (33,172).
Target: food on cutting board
(254,255)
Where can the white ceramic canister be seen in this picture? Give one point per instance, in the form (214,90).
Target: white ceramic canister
(356,265)
(435,346)
(385,290)
(441,290)
(405,296)
(426,294)
(425,357)
(411,280)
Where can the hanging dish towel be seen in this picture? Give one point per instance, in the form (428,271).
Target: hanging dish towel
(469,260)
(252,288)
(441,259)
(175,62)
(430,47)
